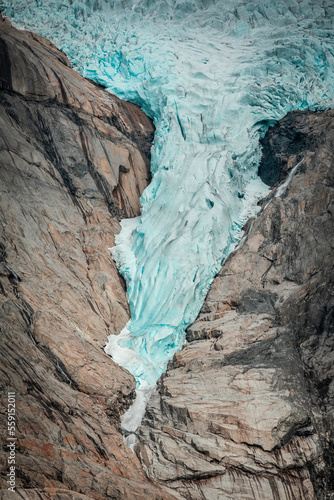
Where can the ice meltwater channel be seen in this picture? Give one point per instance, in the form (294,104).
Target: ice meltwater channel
(213,75)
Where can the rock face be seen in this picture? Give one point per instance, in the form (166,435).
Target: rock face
(74,159)
(245,410)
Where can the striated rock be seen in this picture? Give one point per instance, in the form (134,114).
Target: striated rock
(74,159)
(245,410)
(45,494)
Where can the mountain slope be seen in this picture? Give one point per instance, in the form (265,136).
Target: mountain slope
(245,410)
(74,159)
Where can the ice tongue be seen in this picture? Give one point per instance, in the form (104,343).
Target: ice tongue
(214,76)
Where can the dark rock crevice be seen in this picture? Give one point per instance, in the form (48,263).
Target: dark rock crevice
(283,141)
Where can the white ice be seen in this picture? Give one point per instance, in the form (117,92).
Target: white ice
(214,75)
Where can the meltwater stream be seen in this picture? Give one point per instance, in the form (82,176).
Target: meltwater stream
(213,74)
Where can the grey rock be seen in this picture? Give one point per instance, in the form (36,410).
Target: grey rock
(73,160)
(245,410)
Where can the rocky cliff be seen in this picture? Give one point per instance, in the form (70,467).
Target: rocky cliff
(74,159)
(245,410)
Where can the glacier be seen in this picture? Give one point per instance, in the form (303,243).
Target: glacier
(213,75)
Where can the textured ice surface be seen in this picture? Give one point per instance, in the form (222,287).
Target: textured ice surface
(213,75)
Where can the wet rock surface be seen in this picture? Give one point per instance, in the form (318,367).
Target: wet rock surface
(245,410)
(73,160)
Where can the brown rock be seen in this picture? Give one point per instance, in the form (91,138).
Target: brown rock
(73,160)
(245,410)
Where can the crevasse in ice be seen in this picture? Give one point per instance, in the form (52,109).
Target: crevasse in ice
(213,74)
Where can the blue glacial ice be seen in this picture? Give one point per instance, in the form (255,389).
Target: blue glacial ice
(213,75)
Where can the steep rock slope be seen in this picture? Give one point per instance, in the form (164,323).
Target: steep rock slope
(245,410)
(74,159)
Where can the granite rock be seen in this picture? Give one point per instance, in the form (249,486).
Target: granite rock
(74,160)
(245,410)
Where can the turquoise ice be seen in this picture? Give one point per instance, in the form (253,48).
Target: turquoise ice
(213,75)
